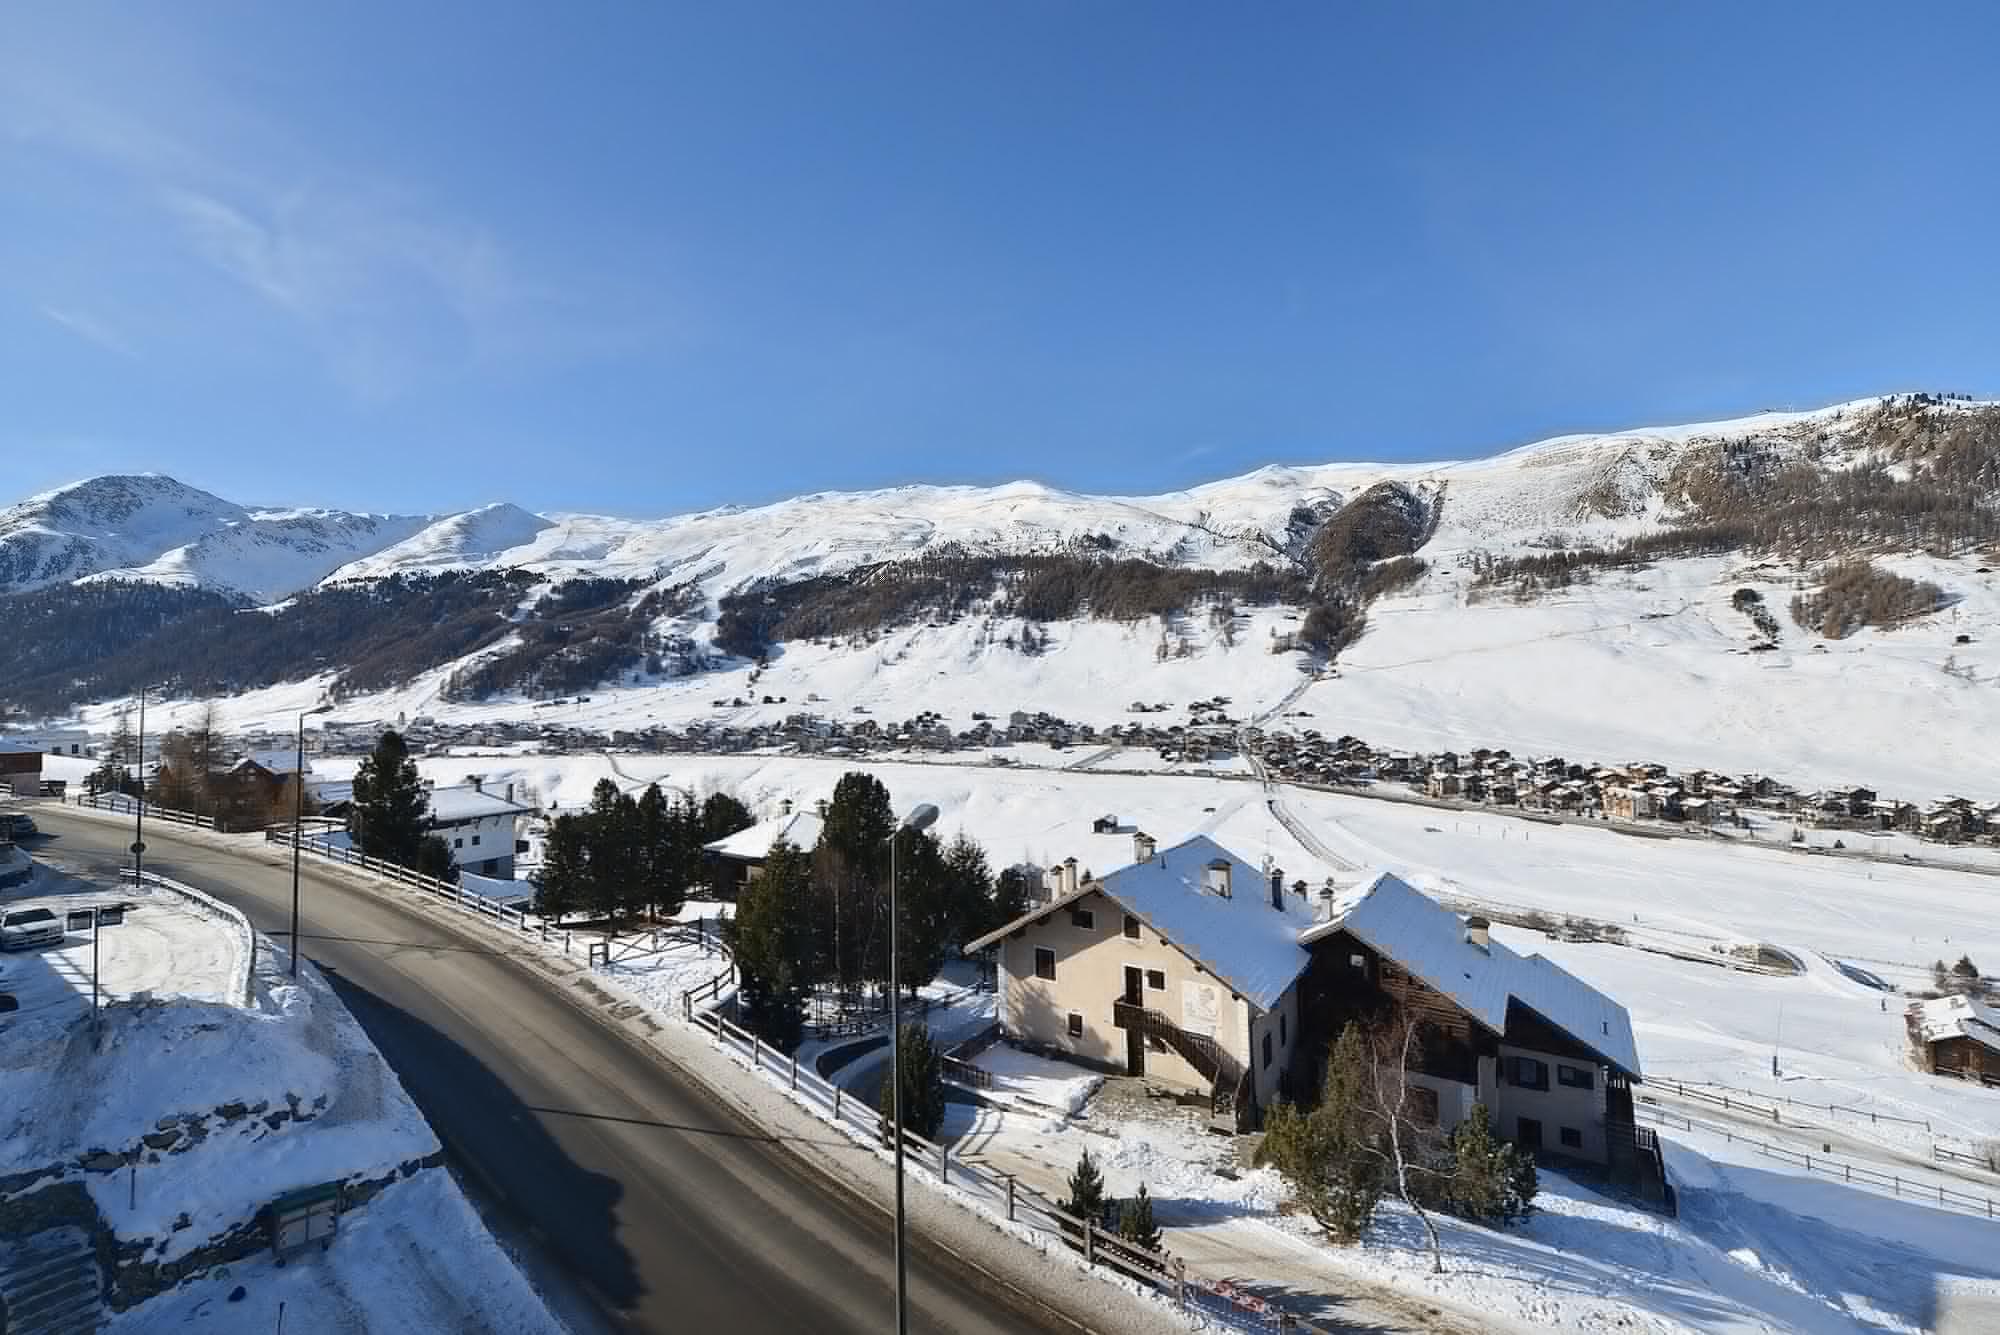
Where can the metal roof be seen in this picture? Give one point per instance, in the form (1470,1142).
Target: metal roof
(1430,941)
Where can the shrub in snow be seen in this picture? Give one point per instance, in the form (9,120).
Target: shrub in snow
(1487,1180)
(1326,1155)
(923,1085)
(1135,1221)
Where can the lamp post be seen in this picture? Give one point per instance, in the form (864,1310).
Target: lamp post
(298,819)
(921,818)
(139,810)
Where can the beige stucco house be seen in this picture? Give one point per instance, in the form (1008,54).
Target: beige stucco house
(1204,973)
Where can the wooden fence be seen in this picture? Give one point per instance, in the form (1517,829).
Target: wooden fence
(1825,1165)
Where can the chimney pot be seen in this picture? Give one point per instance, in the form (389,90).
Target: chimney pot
(1219,871)
(1069,876)
(510,792)
(1278,889)
(1476,932)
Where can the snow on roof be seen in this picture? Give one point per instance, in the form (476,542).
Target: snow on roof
(1428,939)
(1242,940)
(1960,1017)
(282,761)
(452,805)
(800,829)
(328,791)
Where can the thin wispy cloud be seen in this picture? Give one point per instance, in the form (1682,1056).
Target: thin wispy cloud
(384,285)
(89,328)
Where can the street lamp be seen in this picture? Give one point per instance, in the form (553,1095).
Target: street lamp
(298,819)
(921,818)
(139,810)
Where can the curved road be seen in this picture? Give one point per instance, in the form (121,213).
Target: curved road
(668,1209)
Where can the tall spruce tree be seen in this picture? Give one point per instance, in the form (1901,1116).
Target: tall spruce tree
(929,926)
(772,941)
(565,868)
(850,869)
(659,854)
(969,889)
(391,805)
(720,816)
(610,830)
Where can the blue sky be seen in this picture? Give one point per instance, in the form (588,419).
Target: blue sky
(647,258)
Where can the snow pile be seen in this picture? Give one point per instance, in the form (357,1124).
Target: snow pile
(1018,1075)
(387,1272)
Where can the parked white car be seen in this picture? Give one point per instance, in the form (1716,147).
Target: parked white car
(24,929)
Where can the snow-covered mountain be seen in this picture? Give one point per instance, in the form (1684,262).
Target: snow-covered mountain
(1648,651)
(149,527)
(1583,488)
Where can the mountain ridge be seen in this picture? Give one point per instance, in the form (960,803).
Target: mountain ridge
(150,527)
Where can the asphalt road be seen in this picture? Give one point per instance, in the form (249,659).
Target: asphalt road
(670,1211)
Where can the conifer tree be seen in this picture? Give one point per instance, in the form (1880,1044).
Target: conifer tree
(772,940)
(923,1084)
(565,868)
(1135,1221)
(391,805)
(1086,1191)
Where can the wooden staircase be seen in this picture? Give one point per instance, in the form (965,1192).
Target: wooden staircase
(1229,1080)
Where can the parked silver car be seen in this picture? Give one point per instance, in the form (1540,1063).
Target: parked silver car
(24,929)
